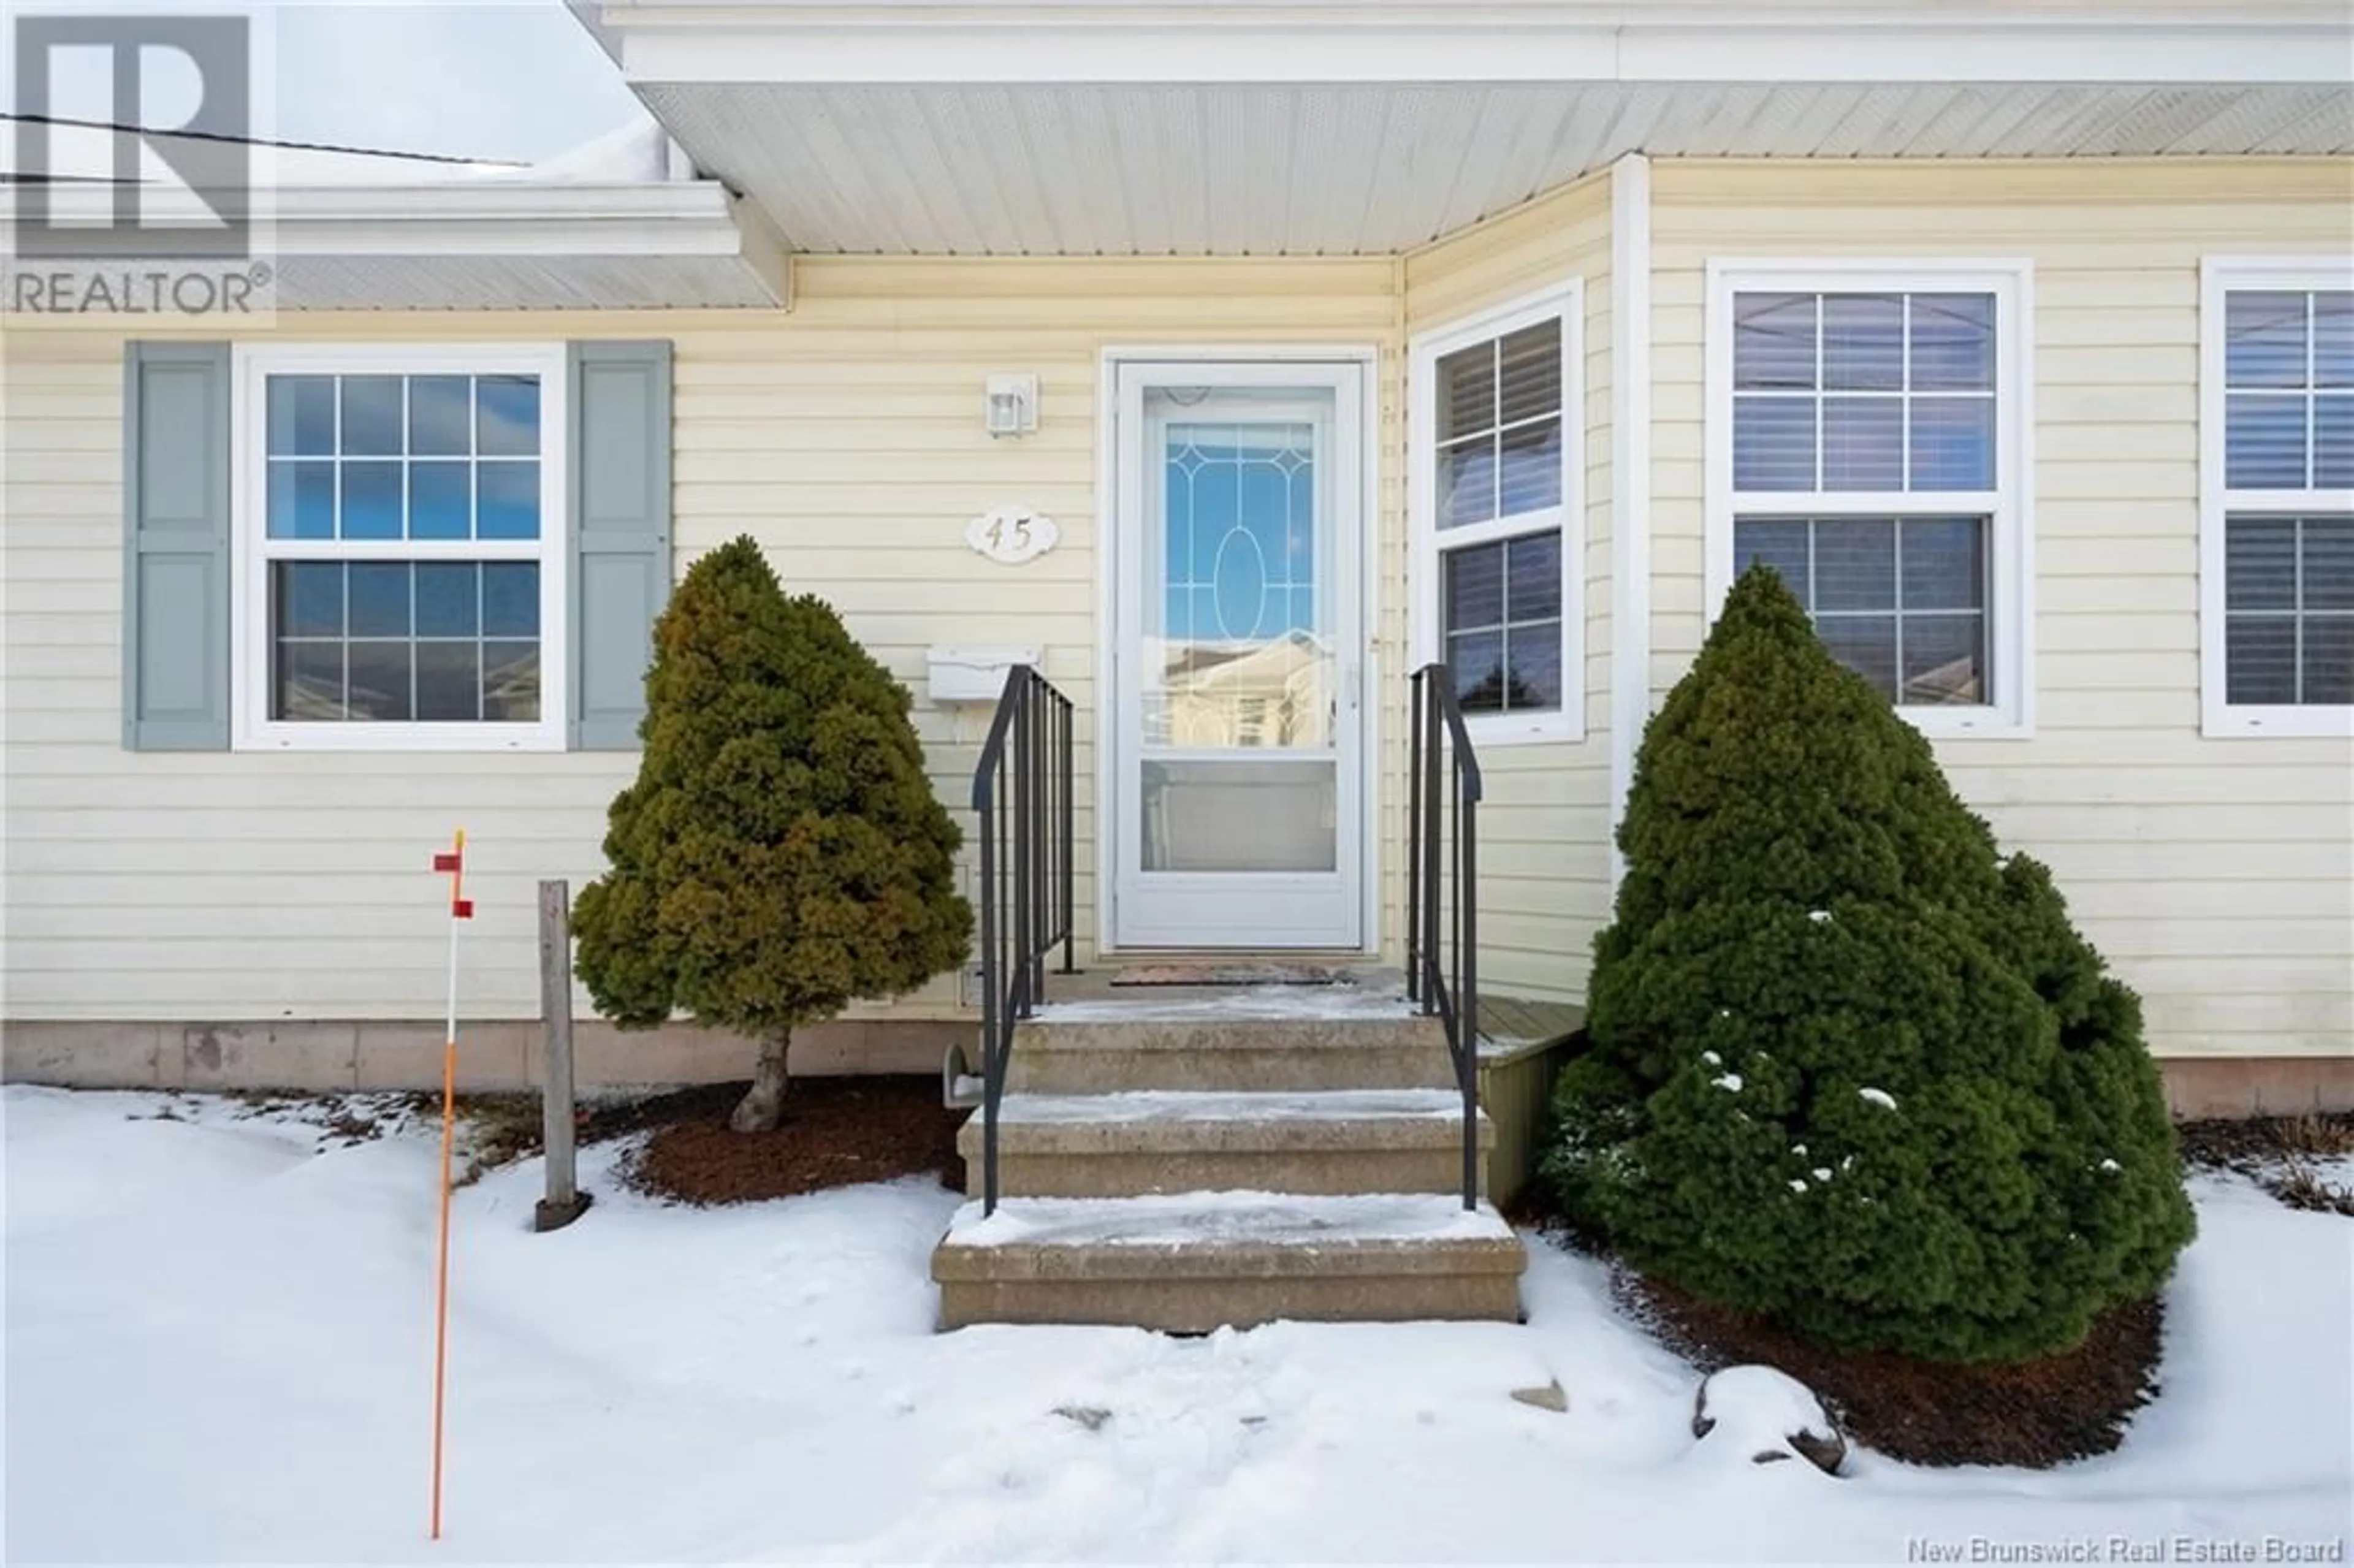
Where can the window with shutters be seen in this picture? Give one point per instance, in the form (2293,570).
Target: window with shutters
(2277,481)
(1497,443)
(398,548)
(1866,441)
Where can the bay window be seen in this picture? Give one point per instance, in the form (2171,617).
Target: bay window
(1497,443)
(1865,441)
(2278,491)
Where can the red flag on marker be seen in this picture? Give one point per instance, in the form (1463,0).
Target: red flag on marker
(451,863)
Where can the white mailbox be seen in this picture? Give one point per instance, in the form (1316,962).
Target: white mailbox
(973,674)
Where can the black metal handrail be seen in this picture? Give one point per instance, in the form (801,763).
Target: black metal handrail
(1442,956)
(1022,794)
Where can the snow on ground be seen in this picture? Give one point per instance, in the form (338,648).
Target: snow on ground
(218,1344)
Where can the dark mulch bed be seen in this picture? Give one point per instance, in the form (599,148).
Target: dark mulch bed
(836,1132)
(2234,1142)
(2037,1414)
(2279,1154)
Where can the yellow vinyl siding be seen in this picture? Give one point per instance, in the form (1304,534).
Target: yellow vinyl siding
(2216,876)
(1544,828)
(846,436)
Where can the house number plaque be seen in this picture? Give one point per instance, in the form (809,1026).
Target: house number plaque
(1011,534)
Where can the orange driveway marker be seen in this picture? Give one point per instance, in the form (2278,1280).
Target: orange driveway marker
(461,908)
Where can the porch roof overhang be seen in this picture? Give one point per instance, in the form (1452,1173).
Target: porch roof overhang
(488,245)
(1367,127)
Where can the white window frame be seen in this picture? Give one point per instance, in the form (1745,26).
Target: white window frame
(2009,507)
(1566,300)
(252,549)
(2220,719)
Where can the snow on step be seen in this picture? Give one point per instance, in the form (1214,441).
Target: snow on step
(1138,1004)
(1190,1262)
(1334,1105)
(1184,1221)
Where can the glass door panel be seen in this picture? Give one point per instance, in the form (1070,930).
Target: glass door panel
(1237,539)
(1240,700)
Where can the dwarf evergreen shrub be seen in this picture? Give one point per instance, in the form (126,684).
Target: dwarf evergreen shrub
(781,851)
(1851,1069)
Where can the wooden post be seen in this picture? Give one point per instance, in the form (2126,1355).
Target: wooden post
(565,1200)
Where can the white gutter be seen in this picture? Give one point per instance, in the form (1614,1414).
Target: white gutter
(697,220)
(1668,41)
(1630,482)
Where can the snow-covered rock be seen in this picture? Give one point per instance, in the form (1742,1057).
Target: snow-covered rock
(1546,1397)
(1767,1415)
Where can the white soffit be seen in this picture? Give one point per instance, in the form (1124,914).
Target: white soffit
(1364,168)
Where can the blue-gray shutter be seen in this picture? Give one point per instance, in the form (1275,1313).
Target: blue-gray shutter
(175,567)
(620,482)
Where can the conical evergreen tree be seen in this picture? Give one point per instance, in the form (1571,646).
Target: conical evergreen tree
(1853,1070)
(781,852)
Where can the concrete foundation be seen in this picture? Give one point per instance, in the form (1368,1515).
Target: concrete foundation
(503,1054)
(2203,1086)
(493,1054)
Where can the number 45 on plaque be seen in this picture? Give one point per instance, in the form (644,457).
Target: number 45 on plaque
(1011,534)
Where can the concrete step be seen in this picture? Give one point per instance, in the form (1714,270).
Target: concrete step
(1189,1263)
(1125,1145)
(1246,1042)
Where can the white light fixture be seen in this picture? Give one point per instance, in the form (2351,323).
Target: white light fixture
(1013,405)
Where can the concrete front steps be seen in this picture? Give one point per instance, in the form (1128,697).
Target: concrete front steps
(1192,1262)
(1227,1160)
(1099,1048)
(1331,1143)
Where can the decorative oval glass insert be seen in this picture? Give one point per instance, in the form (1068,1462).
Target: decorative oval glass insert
(1241,583)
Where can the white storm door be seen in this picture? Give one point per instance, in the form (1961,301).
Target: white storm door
(1237,723)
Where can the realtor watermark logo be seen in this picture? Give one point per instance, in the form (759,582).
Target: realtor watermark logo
(2179,1548)
(136,176)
